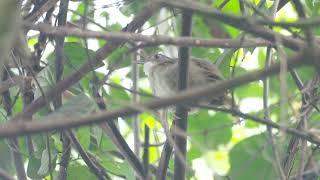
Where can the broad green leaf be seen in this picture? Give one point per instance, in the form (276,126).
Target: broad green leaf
(251,159)
(86,83)
(232,6)
(233,32)
(6,161)
(209,131)
(76,106)
(314,120)
(306,72)
(97,134)
(275,86)
(119,168)
(44,167)
(38,165)
(119,58)
(132,7)
(33,167)
(3,116)
(75,55)
(107,145)
(194,153)
(200,28)
(18,105)
(117,97)
(150,121)
(253,89)
(83,135)
(85,9)
(313,7)
(9,27)
(79,172)
(224,60)
(115,27)
(251,124)
(113,164)
(39,143)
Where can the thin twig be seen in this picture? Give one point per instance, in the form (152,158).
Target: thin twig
(4,175)
(146,150)
(237,21)
(149,40)
(21,127)
(181,115)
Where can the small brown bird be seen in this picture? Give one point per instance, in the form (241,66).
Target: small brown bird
(162,73)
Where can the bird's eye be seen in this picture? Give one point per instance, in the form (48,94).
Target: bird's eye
(157,56)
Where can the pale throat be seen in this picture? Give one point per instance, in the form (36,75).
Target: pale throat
(147,67)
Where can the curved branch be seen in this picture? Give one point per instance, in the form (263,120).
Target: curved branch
(240,22)
(148,40)
(22,127)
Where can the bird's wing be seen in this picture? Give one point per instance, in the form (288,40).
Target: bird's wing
(211,71)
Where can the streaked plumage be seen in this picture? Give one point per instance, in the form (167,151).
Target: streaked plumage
(162,72)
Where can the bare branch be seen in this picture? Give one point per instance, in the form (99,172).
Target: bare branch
(153,40)
(240,22)
(181,115)
(21,127)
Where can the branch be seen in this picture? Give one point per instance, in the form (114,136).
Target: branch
(22,127)
(110,129)
(146,150)
(237,21)
(57,100)
(96,60)
(13,142)
(181,115)
(99,172)
(5,176)
(148,40)
(13,81)
(37,13)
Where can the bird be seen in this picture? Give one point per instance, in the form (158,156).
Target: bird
(162,73)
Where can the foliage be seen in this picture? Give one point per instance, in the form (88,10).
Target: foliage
(238,145)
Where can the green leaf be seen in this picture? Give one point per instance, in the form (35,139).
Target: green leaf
(39,143)
(232,6)
(132,7)
(79,172)
(107,144)
(75,55)
(46,80)
(275,86)
(251,159)
(44,167)
(119,59)
(115,27)
(200,29)
(81,10)
(3,116)
(83,135)
(96,133)
(119,168)
(38,166)
(314,120)
(253,89)
(76,106)
(209,130)
(6,161)
(224,61)
(33,167)
(9,27)
(117,97)
(194,153)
